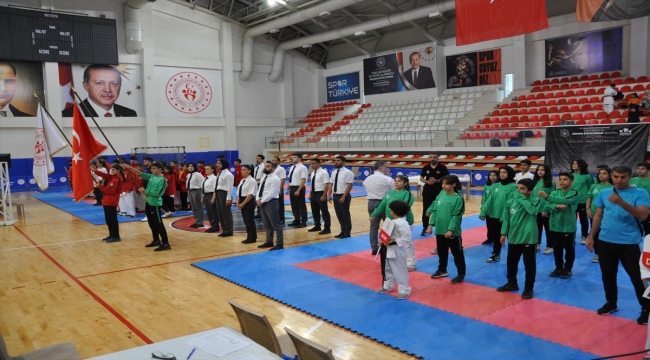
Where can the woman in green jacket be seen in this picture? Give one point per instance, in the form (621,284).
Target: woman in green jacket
(543,180)
(492,179)
(582,181)
(494,207)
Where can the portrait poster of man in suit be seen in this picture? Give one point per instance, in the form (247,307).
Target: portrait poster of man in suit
(419,76)
(103,86)
(19,80)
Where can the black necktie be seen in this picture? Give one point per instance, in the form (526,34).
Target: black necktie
(259,194)
(241,187)
(291,174)
(313,180)
(203,185)
(336,180)
(216,185)
(189,182)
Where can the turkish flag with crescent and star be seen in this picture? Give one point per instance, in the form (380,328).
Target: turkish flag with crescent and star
(84,149)
(482,20)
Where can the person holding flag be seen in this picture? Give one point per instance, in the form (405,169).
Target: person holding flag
(48,143)
(85,148)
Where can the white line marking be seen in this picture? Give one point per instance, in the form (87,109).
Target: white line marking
(313,328)
(68,242)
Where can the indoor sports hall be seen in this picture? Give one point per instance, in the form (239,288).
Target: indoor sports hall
(324,179)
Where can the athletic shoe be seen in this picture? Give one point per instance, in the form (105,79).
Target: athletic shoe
(439,274)
(166,215)
(643,318)
(493,258)
(566,274)
(595,259)
(402,296)
(325,231)
(111,240)
(410,268)
(163,247)
(607,309)
(382,290)
(583,240)
(508,287)
(315,228)
(153,244)
(435,251)
(458,279)
(538,248)
(487,242)
(527,294)
(555,273)
(144,219)
(547,251)
(249,241)
(106,238)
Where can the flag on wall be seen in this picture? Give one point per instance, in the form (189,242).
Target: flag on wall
(482,20)
(84,149)
(48,143)
(65,81)
(608,10)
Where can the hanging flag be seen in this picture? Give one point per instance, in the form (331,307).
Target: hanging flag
(84,149)
(48,143)
(482,20)
(608,10)
(65,81)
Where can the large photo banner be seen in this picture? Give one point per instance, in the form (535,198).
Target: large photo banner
(106,90)
(343,87)
(185,92)
(402,71)
(474,69)
(19,81)
(619,144)
(585,53)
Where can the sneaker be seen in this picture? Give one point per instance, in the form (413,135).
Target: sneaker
(493,258)
(163,247)
(402,296)
(607,309)
(643,318)
(383,290)
(527,294)
(153,244)
(566,274)
(538,248)
(435,251)
(144,219)
(487,242)
(583,240)
(508,287)
(410,268)
(555,273)
(439,274)
(111,240)
(547,251)
(595,259)
(458,279)
(166,215)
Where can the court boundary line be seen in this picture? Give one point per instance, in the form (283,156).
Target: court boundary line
(66,242)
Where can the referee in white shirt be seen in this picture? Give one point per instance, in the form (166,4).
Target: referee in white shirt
(194,182)
(318,198)
(377,186)
(281,173)
(257,174)
(339,192)
(267,201)
(246,192)
(225,181)
(297,180)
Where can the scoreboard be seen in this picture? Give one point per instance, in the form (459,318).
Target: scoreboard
(35,35)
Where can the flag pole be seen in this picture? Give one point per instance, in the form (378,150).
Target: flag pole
(95,121)
(51,118)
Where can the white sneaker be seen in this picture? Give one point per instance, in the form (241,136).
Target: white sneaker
(595,259)
(547,251)
(583,240)
(144,219)
(538,247)
(166,215)
(435,251)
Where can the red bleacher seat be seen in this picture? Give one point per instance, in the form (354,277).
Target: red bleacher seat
(585,107)
(584,77)
(574,86)
(536,89)
(530,97)
(592,122)
(625,89)
(594,99)
(580,93)
(617,82)
(642,79)
(555,87)
(485,135)
(573,79)
(620,121)
(576,117)
(546,88)
(604,76)
(555,118)
(574,108)
(541,103)
(521,97)
(614,114)
(537,83)
(601,115)
(629,80)
(637,88)
(504,106)
(565,117)
(545,124)
(533,118)
(646,119)
(647,87)
(581,122)
(564,86)
(572,101)
(589,116)
(590,92)
(532,103)
(593,77)
(606,82)
(564,80)
(533,124)
(597,106)
(548,96)
(546,82)
(595,83)
(541,96)
(561,102)
(605,121)
(555,81)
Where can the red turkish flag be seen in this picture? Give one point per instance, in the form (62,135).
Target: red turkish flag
(482,20)
(84,149)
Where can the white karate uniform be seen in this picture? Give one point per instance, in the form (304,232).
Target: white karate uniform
(410,252)
(608,99)
(396,270)
(140,201)
(127,203)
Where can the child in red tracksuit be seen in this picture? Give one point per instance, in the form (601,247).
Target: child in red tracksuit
(182,182)
(111,188)
(170,192)
(127,197)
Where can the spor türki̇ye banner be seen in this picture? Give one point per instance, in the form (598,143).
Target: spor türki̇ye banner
(617,144)
(584,53)
(343,87)
(474,69)
(609,10)
(402,71)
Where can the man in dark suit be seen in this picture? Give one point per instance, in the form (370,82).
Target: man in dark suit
(8,85)
(102,83)
(421,77)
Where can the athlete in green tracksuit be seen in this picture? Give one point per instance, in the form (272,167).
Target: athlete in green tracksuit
(582,181)
(493,209)
(520,227)
(642,180)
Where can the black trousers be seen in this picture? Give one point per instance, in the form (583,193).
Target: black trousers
(494,234)
(595,237)
(343,213)
(156,224)
(456,245)
(110,214)
(628,255)
(584,220)
(543,222)
(646,225)
(428,196)
(564,243)
(317,207)
(168,203)
(515,251)
(298,205)
(281,205)
(183,196)
(248,214)
(99,195)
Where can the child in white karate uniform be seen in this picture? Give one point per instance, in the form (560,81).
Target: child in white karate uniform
(396,252)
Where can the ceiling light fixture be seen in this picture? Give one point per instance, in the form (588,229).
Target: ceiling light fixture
(324,13)
(359,33)
(306,46)
(273,31)
(434,14)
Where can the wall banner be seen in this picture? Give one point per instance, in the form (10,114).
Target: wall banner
(402,71)
(184,92)
(343,87)
(474,69)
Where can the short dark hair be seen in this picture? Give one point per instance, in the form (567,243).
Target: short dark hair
(434,153)
(404,179)
(316,160)
(341,157)
(413,53)
(90,68)
(148,158)
(260,156)
(567,174)
(224,163)
(299,156)
(527,162)
(13,68)
(644,164)
(157,165)
(200,162)
(133,157)
(250,168)
(277,158)
(238,160)
(602,166)
(379,164)
(173,161)
(273,165)
(452,180)
(622,169)
(528,183)
(399,207)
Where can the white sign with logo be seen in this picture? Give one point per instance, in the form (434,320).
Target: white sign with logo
(184,92)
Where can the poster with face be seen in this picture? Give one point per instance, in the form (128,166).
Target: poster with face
(106,90)
(474,69)
(19,81)
(402,71)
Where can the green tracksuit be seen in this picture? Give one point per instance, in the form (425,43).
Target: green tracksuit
(548,190)
(495,204)
(487,191)
(156,186)
(593,193)
(520,219)
(641,183)
(582,183)
(404,195)
(447,211)
(563,221)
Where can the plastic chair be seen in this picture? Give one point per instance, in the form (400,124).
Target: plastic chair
(65,351)
(307,349)
(257,327)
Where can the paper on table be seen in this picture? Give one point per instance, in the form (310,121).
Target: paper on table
(218,343)
(246,357)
